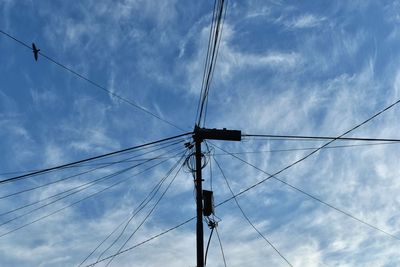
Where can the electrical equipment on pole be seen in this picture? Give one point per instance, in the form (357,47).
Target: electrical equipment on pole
(204,196)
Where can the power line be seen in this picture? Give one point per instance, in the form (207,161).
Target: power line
(305,148)
(77,190)
(82,165)
(221,24)
(104,240)
(220,245)
(247,218)
(249,152)
(157,188)
(300,191)
(217,39)
(221,203)
(24,176)
(217,52)
(78,201)
(211,57)
(304,137)
(310,154)
(208,245)
(145,241)
(142,205)
(154,206)
(59,199)
(207,58)
(130,159)
(130,102)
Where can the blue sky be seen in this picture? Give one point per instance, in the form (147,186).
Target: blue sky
(284,67)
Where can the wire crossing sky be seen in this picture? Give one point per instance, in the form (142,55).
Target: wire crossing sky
(123,99)
(282,72)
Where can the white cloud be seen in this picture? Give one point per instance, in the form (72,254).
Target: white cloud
(231,61)
(319,81)
(305,21)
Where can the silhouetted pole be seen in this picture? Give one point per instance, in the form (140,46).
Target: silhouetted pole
(199,135)
(199,205)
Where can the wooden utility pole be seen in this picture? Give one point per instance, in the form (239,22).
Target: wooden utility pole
(199,135)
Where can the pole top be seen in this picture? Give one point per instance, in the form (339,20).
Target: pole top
(201,134)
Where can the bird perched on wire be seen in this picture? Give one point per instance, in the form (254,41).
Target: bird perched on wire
(35,51)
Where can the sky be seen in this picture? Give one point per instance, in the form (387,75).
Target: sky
(284,67)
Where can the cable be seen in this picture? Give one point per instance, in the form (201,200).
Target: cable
(207,59)
(131,103)
(213,59)
(304,149)
(78,201)
(81,165)
(82,187)
(152,209)
(310,154)
(145,241)
(212,53)
(296,137)
(77,190)
(220,245)
(130,159)
(144,202)
(90,182)
(302,192)
(158,187)
(56,200)
(246,217)
(101,243)
(208,245)
(216,55)
(24,176)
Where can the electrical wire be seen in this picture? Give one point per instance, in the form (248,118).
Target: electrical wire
(82,187)
(220,245)
(300,191)
(208,245)
(207,58)
(305,148)
(305,137)
(145,241)
(54,201)
(312,153)
(82,165)
(209,75)
(151,211)
(144,202)
(143,206)
(77,189)
(108,164)
(102,242)
(216,55)
(247,217)
(97,85)
(24,176)
(79,201)
(211,57)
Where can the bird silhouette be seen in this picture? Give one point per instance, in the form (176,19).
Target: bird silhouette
(35,51)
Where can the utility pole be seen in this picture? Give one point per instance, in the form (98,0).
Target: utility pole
(199,135)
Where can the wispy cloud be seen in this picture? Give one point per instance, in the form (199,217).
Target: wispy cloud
(282,69)
(304,21)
